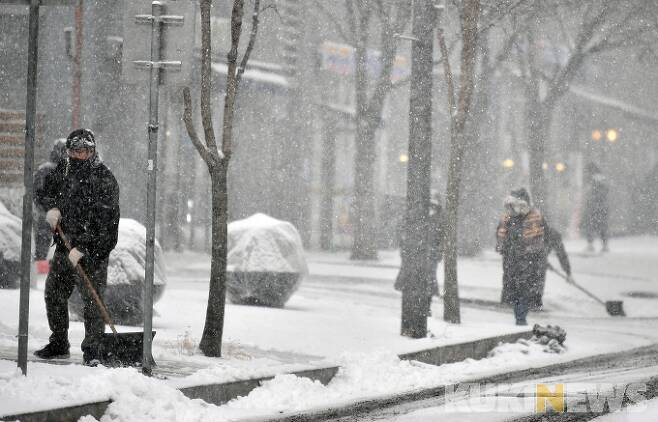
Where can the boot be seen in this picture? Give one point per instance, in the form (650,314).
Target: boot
(53,351)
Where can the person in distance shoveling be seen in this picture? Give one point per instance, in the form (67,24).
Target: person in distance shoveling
(520,240)
(82,197)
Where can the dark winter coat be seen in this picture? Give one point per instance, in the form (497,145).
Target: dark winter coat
(40,180)
(595,216)
(87,195)
(553,241)
(521,241)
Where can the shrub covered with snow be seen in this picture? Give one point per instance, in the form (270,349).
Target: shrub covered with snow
(125,276)
(265,261)
(10,248)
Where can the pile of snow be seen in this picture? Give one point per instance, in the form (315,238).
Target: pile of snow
(369,375)
(125,276)
(265,260)
(10,248)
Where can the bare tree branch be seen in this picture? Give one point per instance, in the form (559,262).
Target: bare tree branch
(466,86)
(342,32)
(351,20)
(191,130)
(389,44)
(252,42)
(231,77)
(206,78)
(447,73)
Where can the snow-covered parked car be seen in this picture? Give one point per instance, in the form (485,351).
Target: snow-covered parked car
(10,249)
(125,276)
(265,261)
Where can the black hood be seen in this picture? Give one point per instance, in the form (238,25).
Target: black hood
(58,152)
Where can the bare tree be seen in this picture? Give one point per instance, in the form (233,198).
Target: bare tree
(571,32)
(414,277)
(459,104)
(217,159)
(497,36)
(390,17)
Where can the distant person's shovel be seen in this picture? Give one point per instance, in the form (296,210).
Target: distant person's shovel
(613,307)
(116,349)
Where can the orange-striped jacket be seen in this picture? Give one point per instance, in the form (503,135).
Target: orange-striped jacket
(533,232)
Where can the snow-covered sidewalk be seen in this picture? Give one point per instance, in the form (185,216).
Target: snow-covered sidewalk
(345,313)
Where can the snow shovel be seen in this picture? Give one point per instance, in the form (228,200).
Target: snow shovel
(116,349)
(613,307)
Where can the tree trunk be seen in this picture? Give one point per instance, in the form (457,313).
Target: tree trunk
(365,229)
(451,312)
(415,268)
(211,341)
(539,118)
(470,17)
(476,207)
(328,182)
(364,244)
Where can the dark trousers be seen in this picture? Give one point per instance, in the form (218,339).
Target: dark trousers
(42,238)
(521,306)
(524,274)
(61,281)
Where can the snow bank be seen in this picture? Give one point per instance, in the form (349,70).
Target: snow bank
(371,375)
(134,397)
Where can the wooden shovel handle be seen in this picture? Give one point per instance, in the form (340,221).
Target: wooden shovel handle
(576,285)
(81,272)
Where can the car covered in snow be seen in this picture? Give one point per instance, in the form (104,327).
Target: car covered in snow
(266,261)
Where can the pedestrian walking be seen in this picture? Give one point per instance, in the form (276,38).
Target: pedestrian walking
(595,215)
(82,198)
(42,231)
(435,235)
(435,250)
(520,240)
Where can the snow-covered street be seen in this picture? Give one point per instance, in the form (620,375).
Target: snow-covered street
(344,313)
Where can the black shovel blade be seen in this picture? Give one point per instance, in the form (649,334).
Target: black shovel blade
(123,349)
(615,308)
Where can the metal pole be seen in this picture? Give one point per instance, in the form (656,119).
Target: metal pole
(77,68)
(28,182)
(154,84)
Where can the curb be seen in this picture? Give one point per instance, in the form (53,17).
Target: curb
(72,413)
(223,392)
(361,407)
(451,353)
